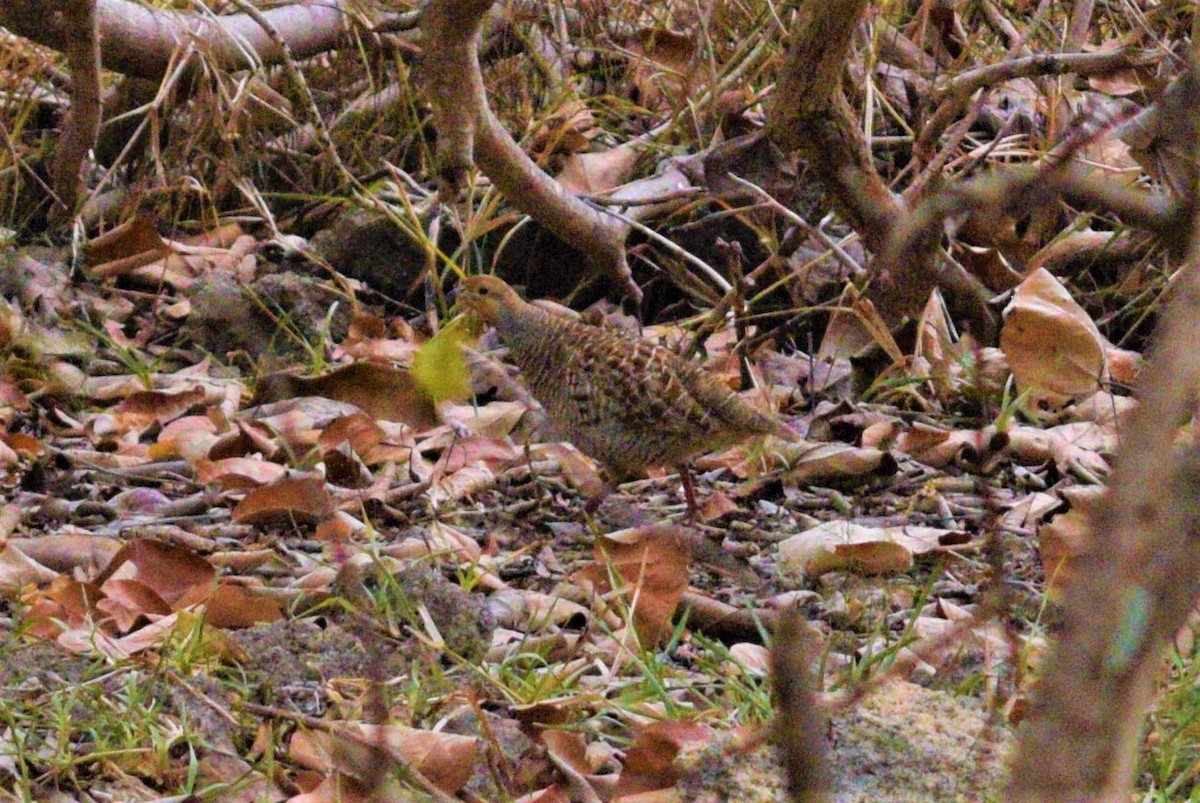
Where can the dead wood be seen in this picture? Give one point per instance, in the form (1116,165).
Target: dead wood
(468,131)
(141,41)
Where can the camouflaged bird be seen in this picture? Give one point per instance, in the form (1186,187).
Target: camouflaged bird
(626,402)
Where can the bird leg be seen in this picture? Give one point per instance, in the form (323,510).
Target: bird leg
(689,491)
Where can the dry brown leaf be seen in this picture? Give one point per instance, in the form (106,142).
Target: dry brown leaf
(190,437)
(528,611)
(139,410)
(129,601)
(650,762)
(716,505)
(467,481)
(597,173)
(813,463)
(1082,447)
(64,552)
(1067,534)
(938,447)
(18,570)
(577,468)
(303,499)
(238,473)
(377,390)
(495,420)
(66,602)
(1053,347)
(652,564)
(170,571)
(357,429)
(661,68)
(446,759)
(458,452)
(129,245)
(569,748)
(753,658)
(1026,513)
(229,605)
(189,263)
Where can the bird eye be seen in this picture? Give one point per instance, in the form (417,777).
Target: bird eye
(483,291)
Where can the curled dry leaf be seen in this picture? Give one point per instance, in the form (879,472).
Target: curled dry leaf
(528,611)
(576,468)
(228,606)
(1082,448)
(466,481)
(355,749)
(128,601)
(357,429)
(18,570)
(568,751)
(169,571)
(815,463)
(597,173)
(1065,534)
(662,66)
(650,762)
(238,473)
(937,447)
(129,245)
(753,658)
(843,545)
(190,437)
(144,408)
(64,552)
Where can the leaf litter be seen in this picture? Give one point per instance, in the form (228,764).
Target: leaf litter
(383,564)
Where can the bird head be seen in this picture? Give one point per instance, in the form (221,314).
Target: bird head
(490,300)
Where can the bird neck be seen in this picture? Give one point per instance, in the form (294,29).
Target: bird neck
(515,319)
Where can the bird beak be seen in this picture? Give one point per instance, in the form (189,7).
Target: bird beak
(460,300)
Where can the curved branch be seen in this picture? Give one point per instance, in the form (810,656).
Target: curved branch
(468,131)
(138,41)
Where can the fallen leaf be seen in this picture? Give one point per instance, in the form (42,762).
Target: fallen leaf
(440,367)
(1053,347)
(843,545)
(303,499)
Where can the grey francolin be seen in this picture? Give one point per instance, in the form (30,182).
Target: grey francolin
(626,402)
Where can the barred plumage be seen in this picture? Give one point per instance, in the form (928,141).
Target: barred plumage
(626,402)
